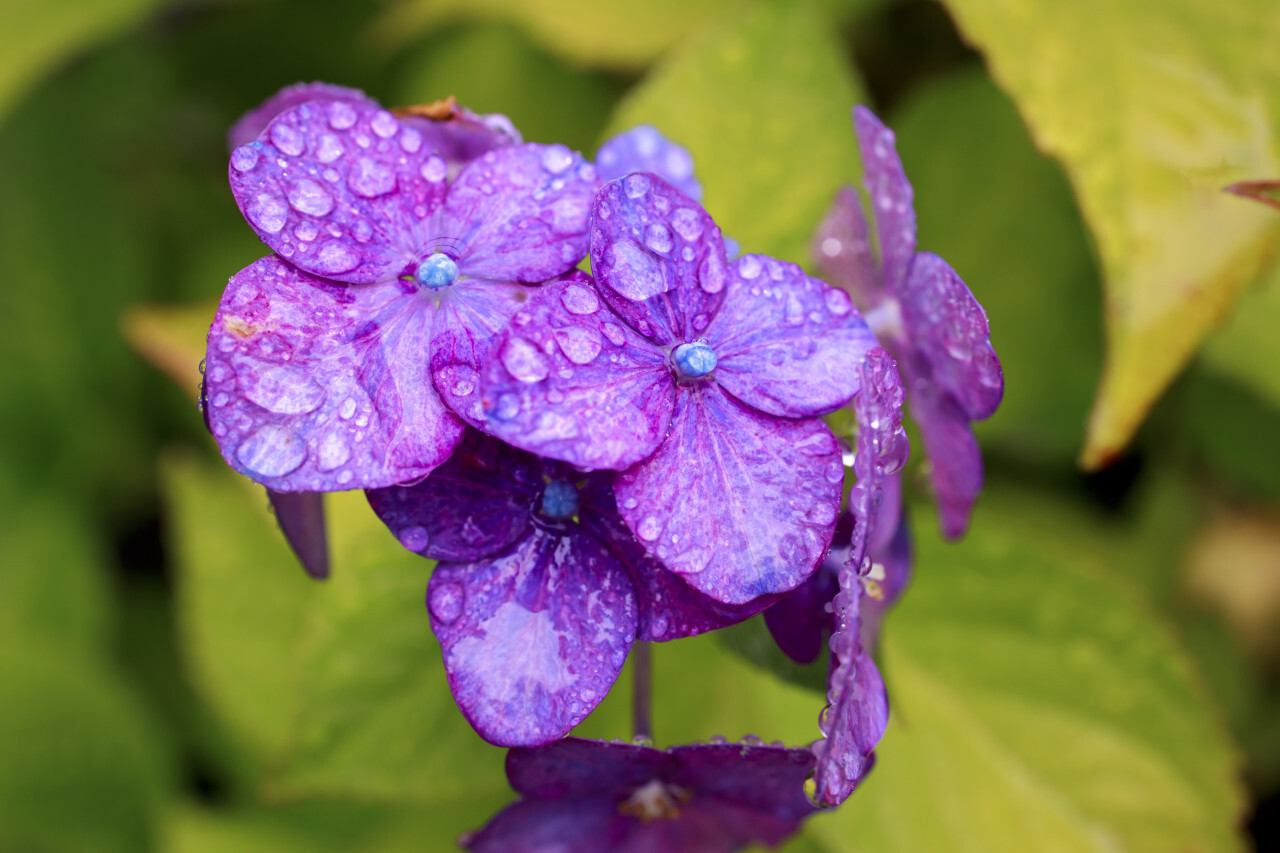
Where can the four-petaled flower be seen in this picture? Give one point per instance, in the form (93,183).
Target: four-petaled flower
(583,796)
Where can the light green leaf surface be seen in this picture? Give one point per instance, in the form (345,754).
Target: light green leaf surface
(1152,107)
(1247,347)
(763,103)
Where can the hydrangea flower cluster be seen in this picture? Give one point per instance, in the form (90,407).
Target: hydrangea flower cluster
(594,461)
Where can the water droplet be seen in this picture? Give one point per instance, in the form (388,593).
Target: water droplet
(434,170)
(244,158)
(635,185)
(445,602)
(384,124)
(556,159)
(658,238)
(341,115)
(370,178)
(463,388)
(634,272)
(659,627)
(688,223)
(630,503)
(306,230)
(410,140)
(333,451)
(523,361)
(614,333)
(310,198)
(347,409)
(329,148)
(711,274)
(837,302)
(580,299)
(362,231)
(271,451)
(795,309)
(283,390)
(700,321)
(221,400)
(749,266)
(508,407)
(287,138)
(335,258)
(687,253)
(414,537)
(649,529)
(268,211)
(580,344)
(346,476)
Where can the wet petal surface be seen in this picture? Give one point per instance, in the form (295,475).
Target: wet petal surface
(252,123)
(740,503)
(842,250)
(463,136)
(954,455)
(787,344)
(891,197)
(533,639)
(567,379)
(644,149)
(340,189)
(314,386)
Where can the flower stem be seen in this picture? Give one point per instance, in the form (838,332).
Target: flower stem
(640,671)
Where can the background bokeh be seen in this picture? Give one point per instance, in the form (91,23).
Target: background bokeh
(1095,667)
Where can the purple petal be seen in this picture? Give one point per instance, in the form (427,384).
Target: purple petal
(519,213)
(882,451)
(540,826)
(471,314)
(252,123)
(890,194)
(948,328)
(472,507)
(533,639)
(314,386)
(340,189)
(644,149)
(740,503)
(575,767)
(658,258)
(465,135)
(761,786)
(568,380)
(799,622)
(301,519)
(787,344)
(842,251)
(954,456)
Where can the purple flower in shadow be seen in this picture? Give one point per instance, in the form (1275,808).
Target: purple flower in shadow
(922,311)
(540,588)
(583,796)
(643,148)
(348,359)
(700,381)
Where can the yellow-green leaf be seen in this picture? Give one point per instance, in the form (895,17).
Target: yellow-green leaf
(1247,347)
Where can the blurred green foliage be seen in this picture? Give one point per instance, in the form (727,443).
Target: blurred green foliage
(169,678)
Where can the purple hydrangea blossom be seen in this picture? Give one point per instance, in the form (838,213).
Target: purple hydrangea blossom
(644,149)
(540,589)
(924,314)
(583,796)
(349,358)
(700,381)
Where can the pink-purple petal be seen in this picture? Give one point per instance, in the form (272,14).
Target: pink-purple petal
(567,379)
(954,456)
(643,148)
(658,258)
(787,344)
(252,123)
(948,328)
(740,503)
(799,622)
(301,519)
(842,250)
(890,194)
(464,136)
(576,767)
(341,189)
(533,639)
(475,505)
(519,213)
(315,386)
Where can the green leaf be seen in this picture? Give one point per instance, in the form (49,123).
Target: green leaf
(1247,348)
(763,103)
(323,826)
(1232,430)
(1038,705)
(79,770)
(37,34)
(1152,107)
(1003,216)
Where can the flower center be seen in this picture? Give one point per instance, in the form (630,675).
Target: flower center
(654,800)
(694,360)
(437,271)
(559,500)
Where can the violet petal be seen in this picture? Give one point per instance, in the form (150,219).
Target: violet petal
(740,503)
(643,148)
(301,519)
(576,767)
(954,456)
(759,789)
(891,196)
(252,123)
(533,639)
(948,327)
(787,344)
(585,825)
(658,258)
(842,250)
(465,135)
(518,213)
(314,386)
(474,506)
(799,622)
(569,380)
(341,190)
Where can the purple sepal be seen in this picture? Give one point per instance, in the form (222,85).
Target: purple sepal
(533,639)
(252,123)
(569,380)
(580,796)
(658,258)
(474,506)
(843,253)
(890,194)
(301,519)
(787,344)
(465,135)
(315,386)
(800,623)
(953,451)
(643,148)
(341,190)
(740,503)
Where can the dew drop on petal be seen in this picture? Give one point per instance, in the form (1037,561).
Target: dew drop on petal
(556,158)
(507,408)
(658,238)
(837,302)
(347,409)
(434,170)
(410,140)
(306,196)
(341,115)
(370,178)
(523,361)
(335,258)
(445,602)
(268,211)
(287,138)
(635,185)
(649,529)
(271,451)
(414,537)
(306,230)
(329,148)
(749,267)
(688,223)
(614,333)
(795,310)
(244,158)
(580,344)
(634,272)
(580,299)
(283,390)
(384,124)
(332,451)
